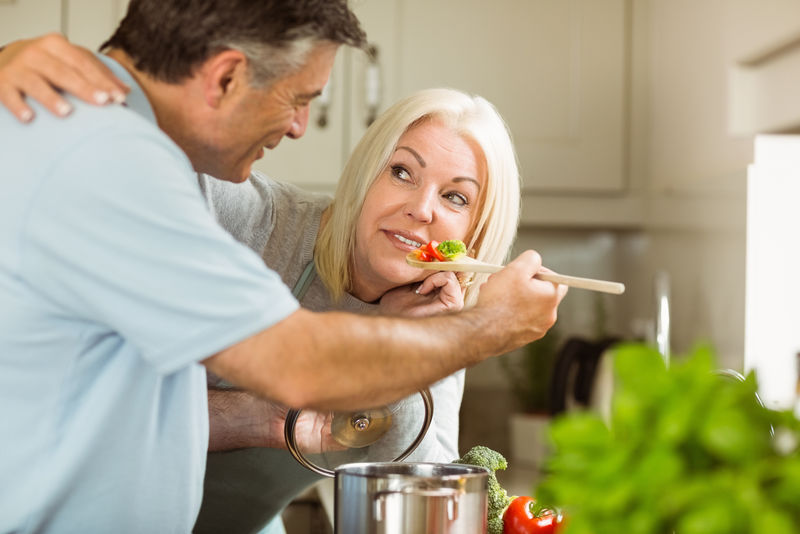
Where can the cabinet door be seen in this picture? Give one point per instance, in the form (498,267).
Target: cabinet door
(25,18)
(90,22)
(555,69)
(84,22)
(315,161)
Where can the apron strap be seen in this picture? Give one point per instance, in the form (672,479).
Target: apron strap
(302,285)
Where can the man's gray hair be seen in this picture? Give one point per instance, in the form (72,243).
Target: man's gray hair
(268,63)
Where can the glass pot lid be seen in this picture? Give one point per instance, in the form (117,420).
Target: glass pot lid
(323,441)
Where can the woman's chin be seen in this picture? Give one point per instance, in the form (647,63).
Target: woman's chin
(402,275)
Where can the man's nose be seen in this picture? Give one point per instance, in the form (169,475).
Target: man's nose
(299,124)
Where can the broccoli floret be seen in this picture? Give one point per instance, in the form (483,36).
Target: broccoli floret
(452,249)
(498,497)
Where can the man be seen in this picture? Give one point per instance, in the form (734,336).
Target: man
(115,282)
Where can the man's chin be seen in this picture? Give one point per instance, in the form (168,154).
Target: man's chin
(236,176)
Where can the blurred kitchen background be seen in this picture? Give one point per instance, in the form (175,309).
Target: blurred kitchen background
(635,123)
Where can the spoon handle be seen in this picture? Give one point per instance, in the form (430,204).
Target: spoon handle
(603,286)
(471,265)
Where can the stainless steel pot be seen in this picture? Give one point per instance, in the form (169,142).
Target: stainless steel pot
(410,498)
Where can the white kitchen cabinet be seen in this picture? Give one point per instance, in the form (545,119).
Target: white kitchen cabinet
(90,22)
(315,160)
(84,22)
(555,69)
(23,18)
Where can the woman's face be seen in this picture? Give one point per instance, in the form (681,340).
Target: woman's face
(430,190)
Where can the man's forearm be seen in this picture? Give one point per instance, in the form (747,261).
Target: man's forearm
(238,419)
(341,361)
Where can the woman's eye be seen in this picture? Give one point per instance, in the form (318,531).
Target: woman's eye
(401,173)
(457,198)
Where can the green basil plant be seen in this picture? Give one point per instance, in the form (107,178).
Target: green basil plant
(684,451)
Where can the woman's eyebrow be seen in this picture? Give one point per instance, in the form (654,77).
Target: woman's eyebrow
(423,165)
(415,154)
(467,179)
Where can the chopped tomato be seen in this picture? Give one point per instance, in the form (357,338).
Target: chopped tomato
(422,255)
(432,250)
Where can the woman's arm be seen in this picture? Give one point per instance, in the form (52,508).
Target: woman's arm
(38,68)
(441,441)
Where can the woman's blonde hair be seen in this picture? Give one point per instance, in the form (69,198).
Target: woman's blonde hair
(471,117)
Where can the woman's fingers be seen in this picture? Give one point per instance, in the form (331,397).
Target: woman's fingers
(13,101)
(93,81)
(37,68)
(449,290)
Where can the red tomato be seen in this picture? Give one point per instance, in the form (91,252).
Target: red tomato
(432,250)
(521,518)
(422,255)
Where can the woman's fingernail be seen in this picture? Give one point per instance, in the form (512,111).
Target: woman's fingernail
(118,97)
(26,116)
(101,97)
(63,109)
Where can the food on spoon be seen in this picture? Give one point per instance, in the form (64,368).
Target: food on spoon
(452,249)
(447,250)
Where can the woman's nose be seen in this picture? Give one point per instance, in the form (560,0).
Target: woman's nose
(422,205)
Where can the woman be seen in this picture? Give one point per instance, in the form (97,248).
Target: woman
(436,165)
(439,165)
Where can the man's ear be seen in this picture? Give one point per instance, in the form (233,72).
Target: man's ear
(223,75)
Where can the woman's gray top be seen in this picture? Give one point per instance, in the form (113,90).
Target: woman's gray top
(246,488)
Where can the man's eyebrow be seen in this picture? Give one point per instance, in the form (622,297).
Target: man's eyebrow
(309,96)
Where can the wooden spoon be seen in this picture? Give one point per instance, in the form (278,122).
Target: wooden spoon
(471,265)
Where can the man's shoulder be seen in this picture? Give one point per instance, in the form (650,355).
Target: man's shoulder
(287,192)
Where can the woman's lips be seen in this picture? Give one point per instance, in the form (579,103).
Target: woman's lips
(404,241)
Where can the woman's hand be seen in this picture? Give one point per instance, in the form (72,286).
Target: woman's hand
(35,68)
(440,292)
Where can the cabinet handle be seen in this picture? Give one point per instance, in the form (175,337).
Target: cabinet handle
(323,104)
(372,84)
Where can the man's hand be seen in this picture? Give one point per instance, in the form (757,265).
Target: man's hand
(523,307)
(36,67)
(438,293)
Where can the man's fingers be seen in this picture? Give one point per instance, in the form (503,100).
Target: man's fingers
(529,260)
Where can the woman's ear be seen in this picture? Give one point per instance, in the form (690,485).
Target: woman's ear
(223,76)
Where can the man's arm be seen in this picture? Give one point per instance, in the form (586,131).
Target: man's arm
(336,360)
